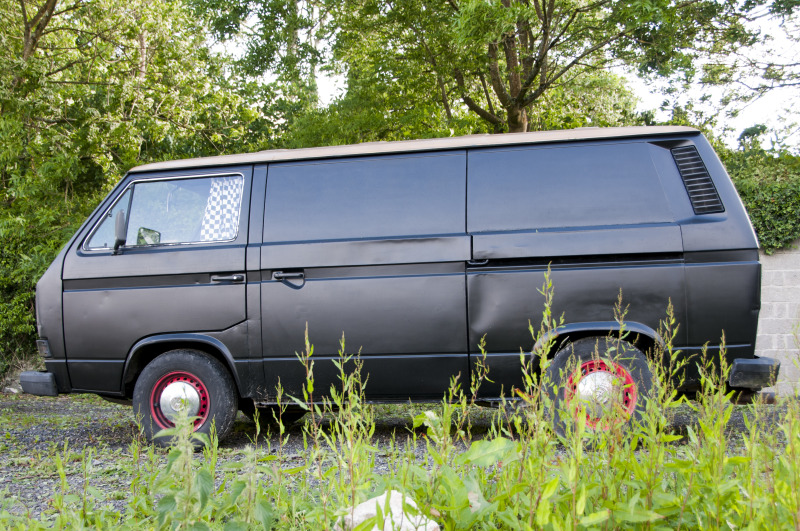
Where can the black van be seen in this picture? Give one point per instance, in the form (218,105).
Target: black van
(192,283)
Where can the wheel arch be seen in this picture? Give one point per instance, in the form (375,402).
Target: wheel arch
(640,335)
(148,349)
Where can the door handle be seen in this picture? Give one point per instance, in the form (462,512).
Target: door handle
(280,275)
(238,277)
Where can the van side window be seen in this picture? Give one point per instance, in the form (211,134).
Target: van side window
(392,196)
(562,187)
(181,211)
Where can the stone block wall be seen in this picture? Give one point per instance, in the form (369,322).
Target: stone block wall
(778,335)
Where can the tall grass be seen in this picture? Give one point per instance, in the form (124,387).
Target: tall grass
(518,475)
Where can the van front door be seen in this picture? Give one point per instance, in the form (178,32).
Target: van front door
(180,271)
(372,249)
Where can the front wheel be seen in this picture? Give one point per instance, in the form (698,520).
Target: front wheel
(186,382)
(605,379)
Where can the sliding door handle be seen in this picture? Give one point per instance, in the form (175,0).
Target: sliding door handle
(238,277)
(280,275)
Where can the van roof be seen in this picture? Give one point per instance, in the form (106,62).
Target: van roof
(411,146)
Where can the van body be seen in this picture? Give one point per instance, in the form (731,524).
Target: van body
(414,251)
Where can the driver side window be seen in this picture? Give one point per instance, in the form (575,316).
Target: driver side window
(176,211)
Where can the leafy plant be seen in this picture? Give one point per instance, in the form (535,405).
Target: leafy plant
(769,186)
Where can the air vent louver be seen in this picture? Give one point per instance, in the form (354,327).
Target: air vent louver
(702,193)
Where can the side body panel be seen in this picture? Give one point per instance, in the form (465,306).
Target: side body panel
(608,217)
(375,250)
(50,321)
(597,215)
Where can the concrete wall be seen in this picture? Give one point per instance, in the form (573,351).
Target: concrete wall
(780,314)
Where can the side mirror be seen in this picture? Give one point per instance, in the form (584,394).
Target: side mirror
(119,231)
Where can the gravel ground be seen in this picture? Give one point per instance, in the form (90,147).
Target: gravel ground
(32,429)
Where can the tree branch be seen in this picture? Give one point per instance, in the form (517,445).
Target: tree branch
(589,51)
(473,106)
(36,26)
(486,93)
(496,78)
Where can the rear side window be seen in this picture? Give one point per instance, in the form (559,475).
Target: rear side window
(572,186)
(175,211)
(393,196)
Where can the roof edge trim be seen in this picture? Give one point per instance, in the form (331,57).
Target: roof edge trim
(418,146)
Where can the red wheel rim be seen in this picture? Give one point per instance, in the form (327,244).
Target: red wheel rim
(624,388)
(179,378)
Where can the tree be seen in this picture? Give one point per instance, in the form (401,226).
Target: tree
(280,43)
(501,57)
(497,58)
(771,60)
(378,108)
(89,88)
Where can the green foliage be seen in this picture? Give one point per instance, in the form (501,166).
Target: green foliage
(441,62)
(498,60)
(769,186)
(108,86)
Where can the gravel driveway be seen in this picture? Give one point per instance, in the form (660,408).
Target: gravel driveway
(32,429)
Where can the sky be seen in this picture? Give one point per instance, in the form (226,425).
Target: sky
(779,110)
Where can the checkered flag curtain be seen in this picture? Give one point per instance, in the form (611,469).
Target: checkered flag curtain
(221,219)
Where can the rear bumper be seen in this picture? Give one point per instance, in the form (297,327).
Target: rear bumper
(38,383)
(755,373)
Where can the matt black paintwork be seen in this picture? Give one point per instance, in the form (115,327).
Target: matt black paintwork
(113,301)
(362,215)
(414,257)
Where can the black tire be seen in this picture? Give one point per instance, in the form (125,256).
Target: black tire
(624,382)
(205,378)
(267,415)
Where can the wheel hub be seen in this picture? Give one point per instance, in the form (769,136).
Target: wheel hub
(596,392)
(179,393)
(598,388)
(179,397)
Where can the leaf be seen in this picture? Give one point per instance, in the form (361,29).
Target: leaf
(265,513)
(543,512)
(580,506)
(204,483)
(635,514)
(236,525)
(595,518)
(165,506)
(550,488)
(489,453)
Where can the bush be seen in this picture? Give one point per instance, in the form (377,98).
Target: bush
(770,189)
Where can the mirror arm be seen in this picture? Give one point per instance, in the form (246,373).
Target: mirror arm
(119,231)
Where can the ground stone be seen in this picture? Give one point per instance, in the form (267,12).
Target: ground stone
(393,505)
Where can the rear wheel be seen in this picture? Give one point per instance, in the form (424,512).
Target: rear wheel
(605,379)
(185,382)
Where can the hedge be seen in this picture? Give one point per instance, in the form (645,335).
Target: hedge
(770,189)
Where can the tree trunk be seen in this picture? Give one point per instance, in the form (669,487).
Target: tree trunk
(517,119)
(142,56)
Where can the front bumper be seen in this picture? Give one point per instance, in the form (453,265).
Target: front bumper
(38,383)
(755,373)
